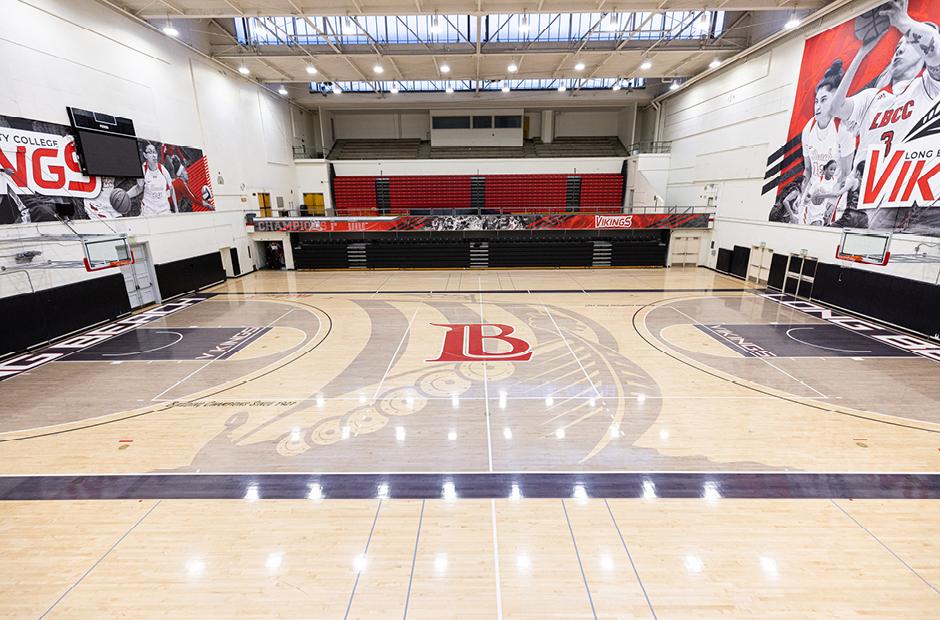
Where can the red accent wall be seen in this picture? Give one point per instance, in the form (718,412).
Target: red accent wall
(600,193)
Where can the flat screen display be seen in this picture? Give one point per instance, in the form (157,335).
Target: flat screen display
(109,155)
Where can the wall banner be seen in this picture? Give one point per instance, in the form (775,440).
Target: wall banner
(864,146)
(40,174)
(409,223)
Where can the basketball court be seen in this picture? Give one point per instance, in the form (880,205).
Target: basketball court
(284,416)
(368,309)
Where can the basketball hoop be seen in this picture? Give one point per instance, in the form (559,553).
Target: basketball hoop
(867,248)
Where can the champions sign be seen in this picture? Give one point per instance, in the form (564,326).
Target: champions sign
(864,147)
(41,180)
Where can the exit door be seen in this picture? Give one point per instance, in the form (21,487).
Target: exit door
(138,278)
(314,205)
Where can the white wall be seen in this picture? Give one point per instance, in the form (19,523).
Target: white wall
(381,125)
(436,167)
(647,179)
(313,177)
(626,124)
(60,53)
(586,122)
(723,129)
(476,137)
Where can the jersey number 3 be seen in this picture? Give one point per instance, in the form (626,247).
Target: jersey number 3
(888,138)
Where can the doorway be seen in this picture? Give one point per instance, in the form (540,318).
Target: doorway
(684,249)
(264,204)
(313,205)
(139,278)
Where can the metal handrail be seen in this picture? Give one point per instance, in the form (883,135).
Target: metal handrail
(611,210)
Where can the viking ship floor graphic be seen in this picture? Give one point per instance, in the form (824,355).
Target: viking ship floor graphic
(542,371)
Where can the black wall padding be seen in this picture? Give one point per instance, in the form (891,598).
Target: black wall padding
(724,260)
(236,265)
(189,274)
(739,257)
(32,318)
(310,253)
(906,303)
(541,253)
(778,269)
(640,252)
(411,254)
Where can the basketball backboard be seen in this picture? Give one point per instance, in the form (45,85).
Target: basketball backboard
(869,248)
(106,252)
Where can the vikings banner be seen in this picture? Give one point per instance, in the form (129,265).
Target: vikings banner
(864,147)
(40,178)
(406,223)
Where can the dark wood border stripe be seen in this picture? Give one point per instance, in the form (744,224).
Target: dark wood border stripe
(474,485)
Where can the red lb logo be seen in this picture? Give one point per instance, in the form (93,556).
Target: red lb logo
(465,342)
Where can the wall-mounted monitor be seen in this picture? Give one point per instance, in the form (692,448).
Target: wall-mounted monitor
(106,145)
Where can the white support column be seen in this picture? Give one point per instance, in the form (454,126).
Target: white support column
(548,126)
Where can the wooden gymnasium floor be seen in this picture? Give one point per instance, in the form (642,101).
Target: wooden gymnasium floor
(678,446)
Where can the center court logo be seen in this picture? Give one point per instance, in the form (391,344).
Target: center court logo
(465,342)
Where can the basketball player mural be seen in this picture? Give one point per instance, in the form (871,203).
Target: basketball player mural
(870,141)
(41,179)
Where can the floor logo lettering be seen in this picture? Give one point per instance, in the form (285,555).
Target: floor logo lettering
(465,342)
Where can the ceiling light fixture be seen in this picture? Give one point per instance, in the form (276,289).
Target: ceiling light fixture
(378,68)
(244,70)
(562,88)
(524,23)
(792,23)
(714,64)
(674,85)
(513,67)
(311,70)
(703,21)
(393,89)
(449,90)
(349,26)
(435,24)
(505,87)
(646,65)
(616,85)
(579,66)
(336,89)
(170,31)
(282,91)
(445,68)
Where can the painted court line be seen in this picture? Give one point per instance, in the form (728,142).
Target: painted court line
(395,354)
(193,373)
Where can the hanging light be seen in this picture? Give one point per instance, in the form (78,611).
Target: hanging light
(579,66)
(349,26)
(449,90)
(435,24)
(792,23)
(646,65)
(378,68)
(336,89)
(524,23)
(311,70)
(674,85)
(282,91)
(714,64)
(505,87)
(445,68)
(562,88)
(244,70)
(393,89)
(170,31)
(513,67)
(616,85)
